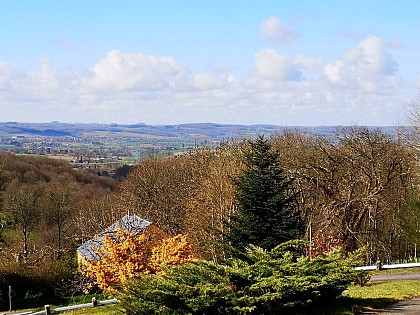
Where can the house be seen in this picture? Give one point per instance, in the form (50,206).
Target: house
(129,223)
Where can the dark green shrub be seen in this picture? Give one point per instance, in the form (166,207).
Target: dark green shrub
(261,283)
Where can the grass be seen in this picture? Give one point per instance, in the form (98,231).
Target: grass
(392,291)
(399,270)
(373,296)
(103,310)
(35,304)
(397,290)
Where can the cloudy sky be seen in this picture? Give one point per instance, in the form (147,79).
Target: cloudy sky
(225,61)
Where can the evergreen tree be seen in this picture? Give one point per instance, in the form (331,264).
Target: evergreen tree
(267,213)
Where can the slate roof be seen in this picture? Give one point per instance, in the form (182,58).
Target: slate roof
(130,223)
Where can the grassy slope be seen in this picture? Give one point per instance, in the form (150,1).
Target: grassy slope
(103,310)
(370,297)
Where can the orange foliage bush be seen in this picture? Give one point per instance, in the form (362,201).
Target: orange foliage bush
(123,255)
(172,251)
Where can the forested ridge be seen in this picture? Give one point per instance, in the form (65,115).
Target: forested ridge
(357,186)
(360,186)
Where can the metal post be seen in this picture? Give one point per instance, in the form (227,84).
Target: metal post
(47,310)
(10,298)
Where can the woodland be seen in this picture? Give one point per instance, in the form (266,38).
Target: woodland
(359,188)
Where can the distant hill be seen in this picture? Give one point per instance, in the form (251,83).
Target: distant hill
(211,131)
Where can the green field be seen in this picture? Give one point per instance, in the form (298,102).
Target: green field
(6,147)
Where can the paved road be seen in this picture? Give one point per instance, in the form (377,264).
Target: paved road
(409,307)
(396,276)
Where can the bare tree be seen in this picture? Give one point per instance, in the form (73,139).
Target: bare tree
(92,216)
(414,118)
(353,185)
(22,202)
(191,194)
(158,190)
(213,203)
(411,138)
(59,207)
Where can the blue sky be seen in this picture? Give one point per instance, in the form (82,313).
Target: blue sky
(232,61)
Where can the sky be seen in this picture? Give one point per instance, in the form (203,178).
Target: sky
(290,63)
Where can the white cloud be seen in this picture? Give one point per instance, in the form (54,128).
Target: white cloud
(212,81)
(361,86)
(370,56)
(273,30)
(334,71)
(271,65)
(367,66)
(8,74)
(44,81)
(136,72)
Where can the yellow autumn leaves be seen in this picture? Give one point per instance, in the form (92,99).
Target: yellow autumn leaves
(124,255)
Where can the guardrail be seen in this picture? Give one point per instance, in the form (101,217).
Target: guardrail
(379,266)
(49,311)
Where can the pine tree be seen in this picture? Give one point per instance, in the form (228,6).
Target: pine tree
(267,213)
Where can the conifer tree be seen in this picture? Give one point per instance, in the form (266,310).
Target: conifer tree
(267,212)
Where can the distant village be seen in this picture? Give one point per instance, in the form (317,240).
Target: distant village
(102,155)
(102,149)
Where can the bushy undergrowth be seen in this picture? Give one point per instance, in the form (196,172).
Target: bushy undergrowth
(35,279)
(260,282)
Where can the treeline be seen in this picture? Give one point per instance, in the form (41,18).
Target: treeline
(357,186)
(42,204)
(360,186)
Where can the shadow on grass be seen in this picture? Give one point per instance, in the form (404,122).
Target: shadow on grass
(342,306)
(35,303)
(40,302)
